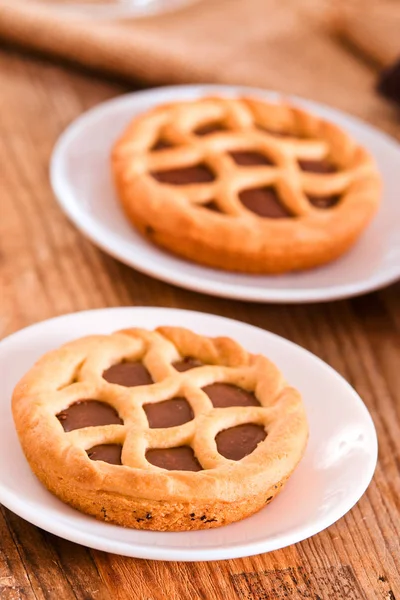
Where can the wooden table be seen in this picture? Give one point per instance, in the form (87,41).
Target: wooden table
(47,268)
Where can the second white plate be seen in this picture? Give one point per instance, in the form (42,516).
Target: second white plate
(81,179)
(336,469)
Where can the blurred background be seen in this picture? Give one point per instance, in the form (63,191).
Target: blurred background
(329,50)
(56,62)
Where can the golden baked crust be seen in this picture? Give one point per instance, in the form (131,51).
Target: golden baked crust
(179,218)
(139,494)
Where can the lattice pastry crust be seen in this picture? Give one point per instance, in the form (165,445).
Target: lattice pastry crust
(138,493)
(325,187)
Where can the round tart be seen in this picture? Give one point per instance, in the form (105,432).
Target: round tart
(245,185)
(163,430)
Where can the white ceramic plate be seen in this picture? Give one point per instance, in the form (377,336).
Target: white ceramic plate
(81,179)
(119,9)
(335,471)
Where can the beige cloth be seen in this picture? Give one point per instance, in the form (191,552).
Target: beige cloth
(277,44)
(272,43)
(211,40)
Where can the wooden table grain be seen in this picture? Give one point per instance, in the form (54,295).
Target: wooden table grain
(47,268)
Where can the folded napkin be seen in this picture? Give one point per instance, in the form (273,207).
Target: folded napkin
(270,43)
(210,40)
(277,44)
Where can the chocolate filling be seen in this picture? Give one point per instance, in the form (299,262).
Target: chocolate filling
(316,166)
(240,441)
(264,202)
(181,458)
(209,128)
(197,174)
(223,395)
(88,413)
(109,453)
(161,144)
(168,413)
(128,374)
(244,158)
(187,363)
(212,206)
(324,201)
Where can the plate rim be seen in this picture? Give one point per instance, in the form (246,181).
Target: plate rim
(118,11)
(62,527)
